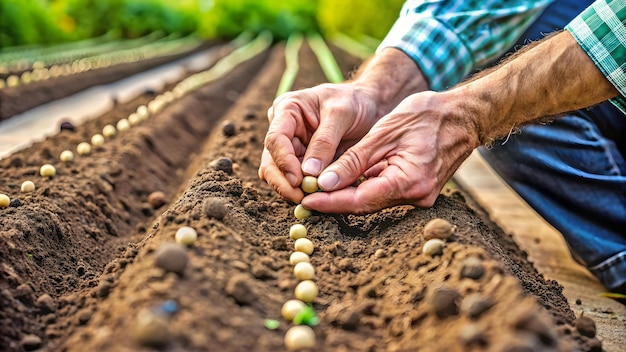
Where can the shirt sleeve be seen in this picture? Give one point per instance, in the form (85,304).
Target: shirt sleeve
(448,39)
(601,32)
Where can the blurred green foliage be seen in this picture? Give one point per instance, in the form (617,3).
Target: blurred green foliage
(52,21)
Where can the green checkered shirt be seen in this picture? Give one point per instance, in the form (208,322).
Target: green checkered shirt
(601,32)
(449,39)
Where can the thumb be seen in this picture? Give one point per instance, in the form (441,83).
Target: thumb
(350,166)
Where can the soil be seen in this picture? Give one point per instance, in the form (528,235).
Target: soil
(82,258)
(21,98)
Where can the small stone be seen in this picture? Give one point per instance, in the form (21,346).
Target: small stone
(67,126)
(380,253)
(228,128)
(151,329)
(15,203)
(472,268)
(585,326)
(46,304)
(215,207)
(474,305)
(348,319)
(30,342)
(24,293)
(444,301)
(104,288)
(157,199)
(222,164)
(171,257)
(239,288)
(538,325)
(578,301)
(472,335)
(84,316)
(438,228)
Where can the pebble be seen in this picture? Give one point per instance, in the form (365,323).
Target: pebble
(46,304)
(171,257)
(151,329)
(67,126)
(15,202)
(438,228)
(445,301)
(30,342)
(215,207)
(228,128)
(585,326)
(239,288)
(472,268)
(84,316)
(157,199)
(222,164)
(474,305)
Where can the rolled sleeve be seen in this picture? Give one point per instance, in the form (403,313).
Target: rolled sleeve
(601,33)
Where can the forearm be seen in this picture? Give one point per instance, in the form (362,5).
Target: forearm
(391,76)
(550,78)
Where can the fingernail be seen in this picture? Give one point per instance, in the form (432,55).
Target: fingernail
(328,180)
(312,166)
(292,179)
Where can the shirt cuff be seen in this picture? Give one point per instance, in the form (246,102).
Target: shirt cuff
(435,48)
(600,47)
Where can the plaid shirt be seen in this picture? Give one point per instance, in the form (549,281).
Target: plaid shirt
(449,39)
(601,32)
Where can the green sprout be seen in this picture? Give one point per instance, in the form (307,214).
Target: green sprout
(271,324)
(612,295)
(306,316)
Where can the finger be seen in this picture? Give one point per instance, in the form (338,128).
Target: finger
(322,148)
(353,163)
(280,139)
(276,179)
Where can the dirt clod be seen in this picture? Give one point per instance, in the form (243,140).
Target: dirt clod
(222,164)
(239,287)
(151,329)
(215,207)
(30,342)
(474,305)
(171,257)
(46,304)
(472,268)
(473,335)
(444,301)
(15,203)
(228,128)
(585,326)
(157,199)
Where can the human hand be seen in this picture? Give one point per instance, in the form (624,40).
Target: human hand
(313,126)
(407,157)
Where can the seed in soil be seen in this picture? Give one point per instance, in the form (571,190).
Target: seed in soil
(306,291)
(157,199)
(297,231)
(186,236)
(306,316)
(47,170)
(133,119)
(171,257)
(309,184)
(299,337)
(27,186)
(83,148)
(66,156)
(215,207)
(4,200)
(438,228)
(291,308)
(142,112)
(299,257)
(304,271)
(97,140)
(433,247)
(301,212)
(109,131)
(123,125)
(304,245)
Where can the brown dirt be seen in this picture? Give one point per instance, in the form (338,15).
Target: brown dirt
(88,239)
(21,98)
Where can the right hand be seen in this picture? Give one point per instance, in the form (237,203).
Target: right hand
(309,128)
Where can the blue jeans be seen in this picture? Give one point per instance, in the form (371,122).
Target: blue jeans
(572,171)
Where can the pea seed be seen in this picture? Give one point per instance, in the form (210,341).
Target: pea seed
(309,184)
(304,245)
(299,337)
(123,125)
(4,200)
(306,291)
(83,148)
(438,228)
(291,308)
(186,236)
(297,231)
(109,131)
(97,140)
(66,156)
(298,257)
(304,271)
(433,247)
(301,212)
(134,119)
(47,170)
(28,186)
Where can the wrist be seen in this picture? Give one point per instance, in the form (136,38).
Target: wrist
(469,113)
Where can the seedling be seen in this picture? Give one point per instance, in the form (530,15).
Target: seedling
(306,316)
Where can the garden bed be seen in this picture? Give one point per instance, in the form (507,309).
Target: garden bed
(78,255)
